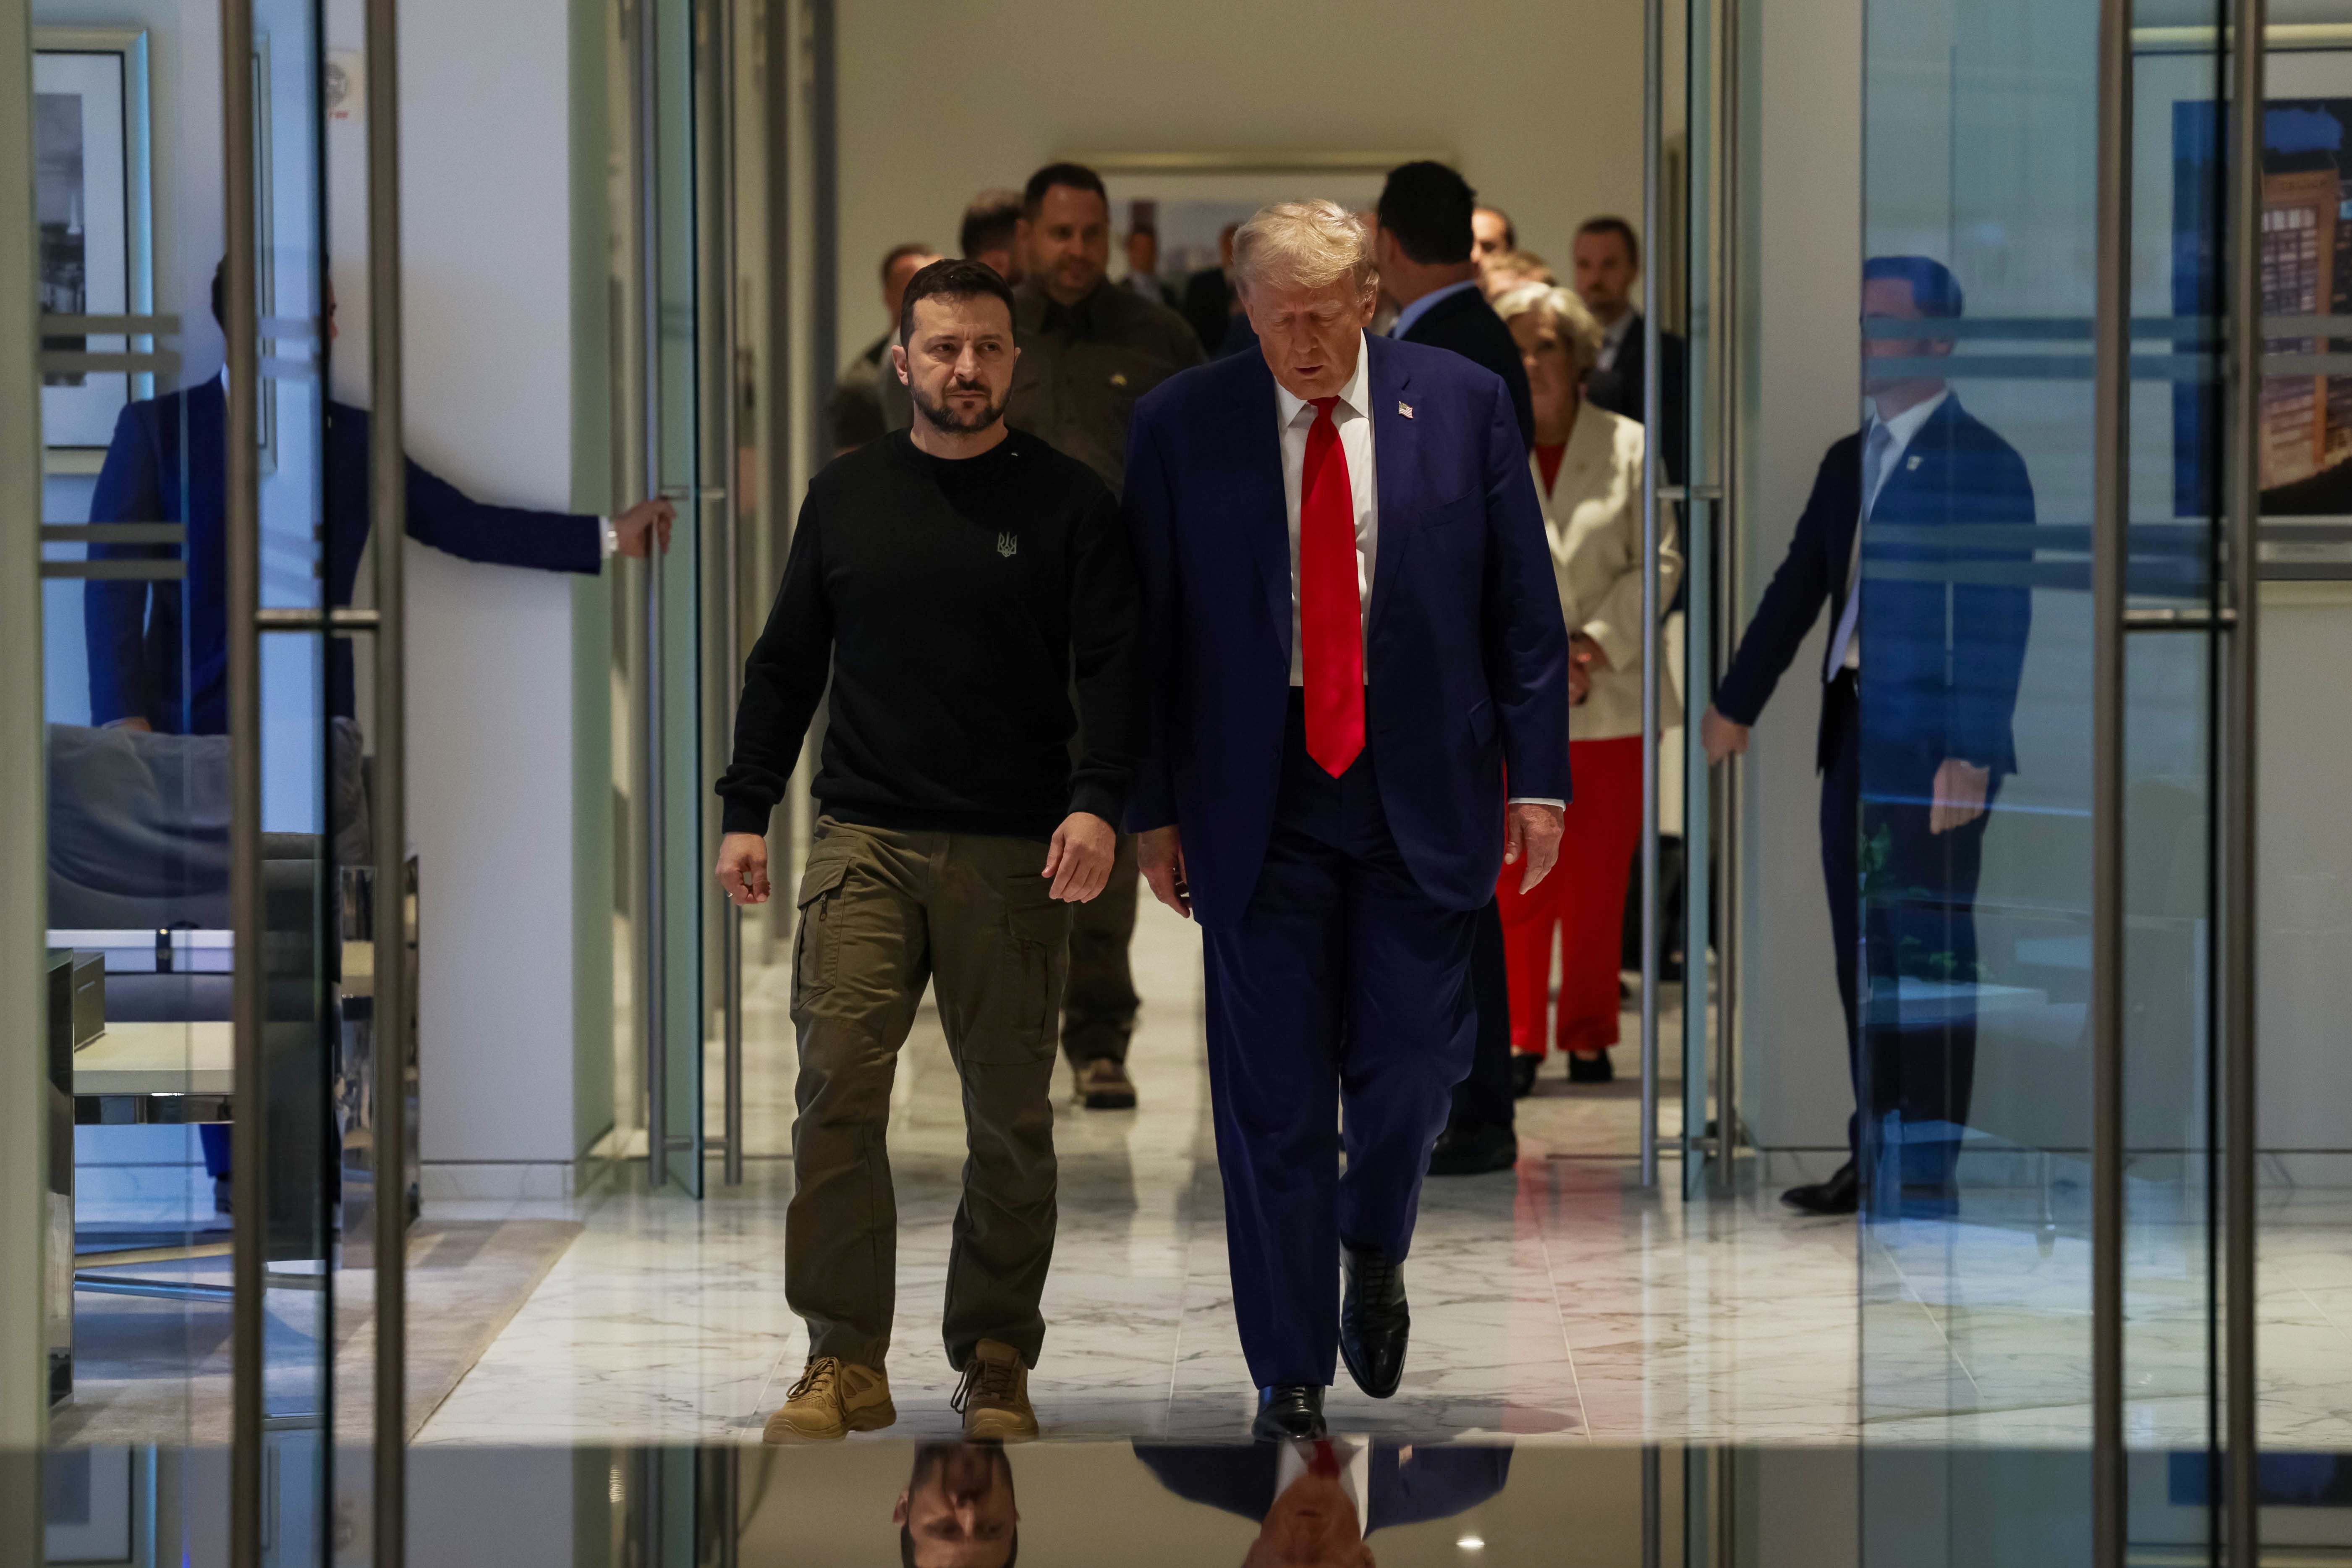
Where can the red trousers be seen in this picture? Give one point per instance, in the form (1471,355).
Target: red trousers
(1583,901)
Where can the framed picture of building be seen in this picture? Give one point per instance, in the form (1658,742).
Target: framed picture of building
(92,143)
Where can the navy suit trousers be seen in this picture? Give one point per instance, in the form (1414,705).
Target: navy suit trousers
(1911,1058)
(1342,995)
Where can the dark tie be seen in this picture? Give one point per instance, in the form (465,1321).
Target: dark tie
(1330,605)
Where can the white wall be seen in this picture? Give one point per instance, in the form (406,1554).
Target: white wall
(486,187)
(1540,104)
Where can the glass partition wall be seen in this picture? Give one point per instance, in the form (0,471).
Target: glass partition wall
(2040,712)
(226,914)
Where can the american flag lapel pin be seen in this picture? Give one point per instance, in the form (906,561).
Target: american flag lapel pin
(1913,465)
(1405,409)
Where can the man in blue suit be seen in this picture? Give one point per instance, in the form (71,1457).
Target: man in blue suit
(1351,631)
(1317,1501)
(158,651)
(1921,680)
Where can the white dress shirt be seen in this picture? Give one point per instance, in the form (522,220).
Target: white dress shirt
(1294,1458)
(1846,645)
(1352,415)
(1612,341)
(1426,303)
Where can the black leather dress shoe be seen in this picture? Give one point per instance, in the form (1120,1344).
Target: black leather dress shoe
(1288,1410)
(1523,1073)
(1591,1067)
(1474,1148)
(1374,1322)
(1842,1193)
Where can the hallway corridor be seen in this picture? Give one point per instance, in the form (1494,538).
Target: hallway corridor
(1563,1305)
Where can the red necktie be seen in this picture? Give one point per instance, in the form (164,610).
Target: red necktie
(1331,606)
(1326,1461)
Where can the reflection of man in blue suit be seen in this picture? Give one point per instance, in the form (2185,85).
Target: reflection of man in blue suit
(1317,1501)
(1921,680)
(1352,631)
(166,464)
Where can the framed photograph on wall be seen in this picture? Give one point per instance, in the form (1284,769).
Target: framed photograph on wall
(93,145)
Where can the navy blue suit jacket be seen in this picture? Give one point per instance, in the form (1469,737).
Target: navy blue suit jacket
(1941,655)
(1465,323)
(1466,653)
(167,464)
(1436,1482)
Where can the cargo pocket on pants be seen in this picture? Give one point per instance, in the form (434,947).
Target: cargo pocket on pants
(817,936)
(1021,1021)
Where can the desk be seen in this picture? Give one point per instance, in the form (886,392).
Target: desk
(166,1073)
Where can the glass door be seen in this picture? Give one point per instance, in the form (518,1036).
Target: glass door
(2025,752)
(670,611)
(223,1077)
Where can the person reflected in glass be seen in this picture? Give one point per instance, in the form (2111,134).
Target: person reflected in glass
(1587,464)
(168,463)
(957,1509)
(1920,682)
(1317,1501)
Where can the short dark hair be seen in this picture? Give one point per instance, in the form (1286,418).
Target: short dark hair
(928,1458)
(1427,206)
(1618,226)
(954,278)
(1078,176)
(1933,288)
(988,222)
(1510,230)
(899,252)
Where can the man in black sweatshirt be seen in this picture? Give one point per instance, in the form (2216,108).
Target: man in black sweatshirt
(957,580)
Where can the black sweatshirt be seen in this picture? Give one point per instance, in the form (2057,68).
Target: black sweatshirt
(951,600)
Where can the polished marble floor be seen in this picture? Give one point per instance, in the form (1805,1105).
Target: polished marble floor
(1559,1302)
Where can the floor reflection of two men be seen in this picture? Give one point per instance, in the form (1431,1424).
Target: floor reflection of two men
(1315,1501)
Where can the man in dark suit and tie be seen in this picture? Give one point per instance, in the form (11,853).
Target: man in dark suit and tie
(1921,677)
(1351,631)
(1317,1501)
(1429,270)
(167,464)
(1608,269)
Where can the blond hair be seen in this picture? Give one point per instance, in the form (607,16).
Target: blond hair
(1304,245)
(1579,332)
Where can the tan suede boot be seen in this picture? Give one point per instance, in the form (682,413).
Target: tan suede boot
(833,1399)
(993,1397)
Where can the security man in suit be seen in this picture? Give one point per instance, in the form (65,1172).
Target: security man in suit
(167,464)
(1429,271)
(1928,650)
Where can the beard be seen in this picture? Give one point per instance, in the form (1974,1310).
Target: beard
(943,418)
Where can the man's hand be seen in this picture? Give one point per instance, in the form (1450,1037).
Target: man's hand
(133,722)
(1720,736)
(1531,833)
(1960,796)
(1080,855)
(743,868)
(634,530)
(1160,854)
(1579,683)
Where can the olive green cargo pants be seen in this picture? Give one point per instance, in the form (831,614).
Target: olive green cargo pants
(882,913)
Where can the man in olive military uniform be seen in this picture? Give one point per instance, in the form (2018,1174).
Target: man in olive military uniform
(1088,350)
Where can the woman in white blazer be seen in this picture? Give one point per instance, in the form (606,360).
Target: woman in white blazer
(1587,470)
